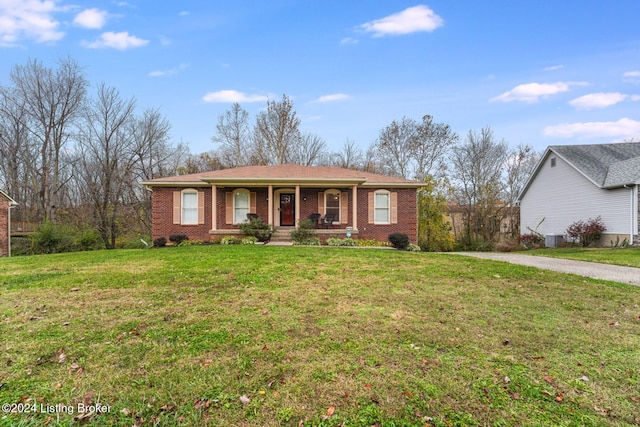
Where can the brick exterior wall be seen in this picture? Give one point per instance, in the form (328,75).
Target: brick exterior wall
(4,226)
(163,212)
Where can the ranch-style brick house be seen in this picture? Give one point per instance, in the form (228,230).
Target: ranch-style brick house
(6,203)
(206,206)
(576,182)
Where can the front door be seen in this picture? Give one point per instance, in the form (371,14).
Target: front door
(287,209)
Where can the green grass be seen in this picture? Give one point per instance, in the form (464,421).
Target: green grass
(269,336)
(629,257)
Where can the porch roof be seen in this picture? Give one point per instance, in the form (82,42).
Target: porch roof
(288,174)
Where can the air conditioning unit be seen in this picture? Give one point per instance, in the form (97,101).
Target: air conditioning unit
(553,240)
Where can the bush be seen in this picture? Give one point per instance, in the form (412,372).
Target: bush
(304,232)
(399,241)
(372,243)
(191,243)
(510,245)
(257,228)
(333,241)
(51,239)
(587,232)
(176,239)
(230,240)
(531,240)
(160,242)
(311,241)
(88,240)
(249,240)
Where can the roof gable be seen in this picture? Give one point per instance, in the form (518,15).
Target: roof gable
(605,165)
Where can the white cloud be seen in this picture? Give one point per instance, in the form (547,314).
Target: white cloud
(120,41)
(28,19)
(184,13)
(411,20)
(169,72)
(532,92)
(601,100)
(348,41)
(553,68)
(632,76)
(91,18)
(333,97)
(232,96)
(623,128)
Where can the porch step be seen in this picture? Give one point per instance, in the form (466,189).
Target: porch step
(282,235)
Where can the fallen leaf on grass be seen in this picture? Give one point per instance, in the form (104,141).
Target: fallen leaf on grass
(560,397)
(202,403)
(548,379)
(515,396)
(584,378)
(244,399)
(331,410)
(614,324)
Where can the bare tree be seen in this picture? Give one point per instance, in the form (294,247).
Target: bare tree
(276,133)
(477,168)
(18,155)
(106,158)
(234,134)
(350,157)
(52,100)
(310,150)
(414,150)
(519,166)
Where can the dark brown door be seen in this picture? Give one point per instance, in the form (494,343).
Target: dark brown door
(287,209)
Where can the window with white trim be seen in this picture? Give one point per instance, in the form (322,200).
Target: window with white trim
(189,207)
(332,204)
(382,207)
(241,206)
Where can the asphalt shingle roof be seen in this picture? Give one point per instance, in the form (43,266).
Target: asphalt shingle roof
(607,165)
(286,172)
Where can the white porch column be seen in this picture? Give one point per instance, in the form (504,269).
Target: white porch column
(270,204)
(297,205)
(214,207)
(355,207)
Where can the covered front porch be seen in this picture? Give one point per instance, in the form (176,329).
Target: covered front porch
(332,206)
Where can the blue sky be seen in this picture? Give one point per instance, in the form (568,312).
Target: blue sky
(539,72)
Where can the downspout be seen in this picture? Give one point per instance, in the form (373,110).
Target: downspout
(634,211)
(11,206)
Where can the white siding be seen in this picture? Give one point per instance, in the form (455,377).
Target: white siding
(561,195)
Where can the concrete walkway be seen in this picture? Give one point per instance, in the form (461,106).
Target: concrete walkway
(615,273)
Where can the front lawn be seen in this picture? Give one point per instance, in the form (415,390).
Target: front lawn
(270,336)
(629,257)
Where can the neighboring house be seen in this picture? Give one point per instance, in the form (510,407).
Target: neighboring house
(578,182)
(506,223)
(207,205)
(6,203)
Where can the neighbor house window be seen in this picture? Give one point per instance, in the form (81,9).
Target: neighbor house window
(332,204)
(382,207)
(189,207)
(240,206)
(553,162)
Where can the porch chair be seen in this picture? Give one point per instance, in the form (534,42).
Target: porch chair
(315,219)
(328,219)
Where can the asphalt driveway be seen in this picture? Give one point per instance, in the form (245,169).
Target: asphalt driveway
(615,273)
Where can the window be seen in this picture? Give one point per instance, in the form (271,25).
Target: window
(553,162)
(240,206)
(382,207)
(189,207)
(332,204)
